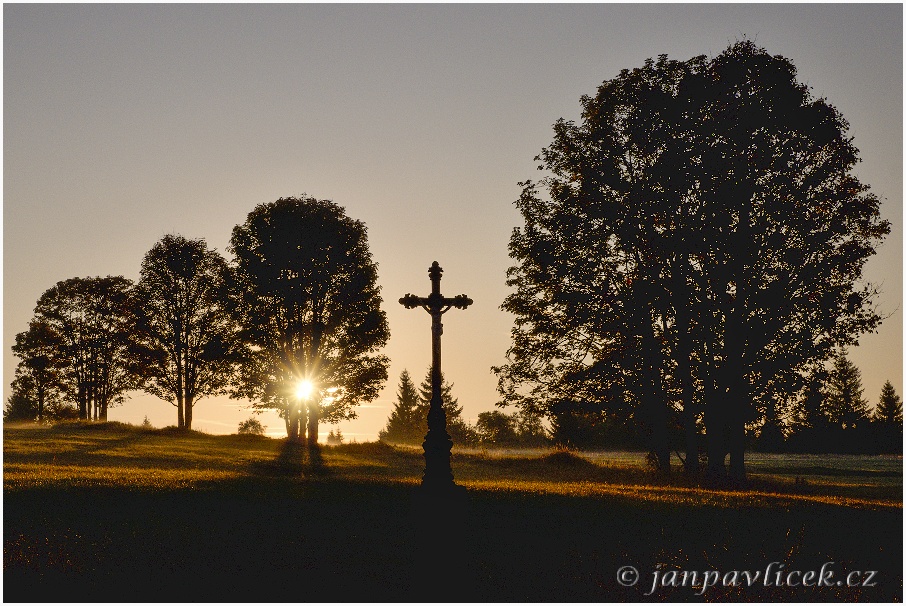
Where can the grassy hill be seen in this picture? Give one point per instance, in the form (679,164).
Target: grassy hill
(116,513)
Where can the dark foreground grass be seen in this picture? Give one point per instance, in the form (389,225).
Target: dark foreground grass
(218,518)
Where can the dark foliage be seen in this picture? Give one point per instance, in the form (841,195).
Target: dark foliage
(845,406)
(36,386)
(308,303)
(697,244)
(887,421)
(185,334)
(88,327)
(406,424)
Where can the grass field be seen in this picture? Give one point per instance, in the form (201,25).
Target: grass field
(116,513)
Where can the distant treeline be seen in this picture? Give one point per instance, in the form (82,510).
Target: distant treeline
(408,421)
(828,416)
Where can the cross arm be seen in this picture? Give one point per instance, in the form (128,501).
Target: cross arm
(411,301)
(459,302)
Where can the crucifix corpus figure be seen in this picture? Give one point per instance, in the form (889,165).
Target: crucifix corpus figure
(438,474)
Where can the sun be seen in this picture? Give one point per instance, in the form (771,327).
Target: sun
(304,389)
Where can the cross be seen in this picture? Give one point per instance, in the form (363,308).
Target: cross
(438,444)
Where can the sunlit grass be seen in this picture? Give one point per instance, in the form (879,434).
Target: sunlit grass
(92,510)
(21,477)
(132,457)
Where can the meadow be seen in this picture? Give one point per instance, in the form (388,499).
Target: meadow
(112,512)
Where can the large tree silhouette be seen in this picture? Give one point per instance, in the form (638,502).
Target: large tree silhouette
(795,228)
(698,242)
(185,334)
(593,279)
(309,306)
(22,402)
(92,320)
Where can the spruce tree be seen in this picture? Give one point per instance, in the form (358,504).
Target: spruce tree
(847,408)
(888,421)
(406,420)
(451,404)
(810,409)
(460,431)
(890,407)
(810,423)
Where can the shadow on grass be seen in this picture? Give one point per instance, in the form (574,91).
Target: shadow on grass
(275,538)
(295,458)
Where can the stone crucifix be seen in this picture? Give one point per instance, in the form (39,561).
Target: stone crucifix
(438,474)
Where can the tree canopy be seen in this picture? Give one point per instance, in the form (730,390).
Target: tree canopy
(92,322)
(697,243)
(309,307)
(185,333)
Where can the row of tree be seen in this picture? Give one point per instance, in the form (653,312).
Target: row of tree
(693,255)
(298,303)
(831,415)
(408,421)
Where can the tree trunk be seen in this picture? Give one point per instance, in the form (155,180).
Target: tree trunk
(295,422)
(715,426)
(734,398)
(656,402)
(737,451)
(187,407)
(180,391)
(40,404)
(737,430)
(690,428)
(180,418)
(292,424)
(684,368)
(739,391)
(313,424)
(83,404)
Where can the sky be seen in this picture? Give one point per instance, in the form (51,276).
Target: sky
(124,123)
